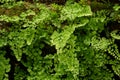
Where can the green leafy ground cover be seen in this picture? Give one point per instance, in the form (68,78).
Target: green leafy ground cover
(59,40)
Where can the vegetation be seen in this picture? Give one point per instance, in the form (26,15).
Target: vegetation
(59,40)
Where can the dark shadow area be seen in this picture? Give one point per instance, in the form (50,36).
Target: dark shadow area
(47,49)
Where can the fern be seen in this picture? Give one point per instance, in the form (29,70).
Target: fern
(70,12)
(57,42)
(68,60)
(115,35)
(4,66)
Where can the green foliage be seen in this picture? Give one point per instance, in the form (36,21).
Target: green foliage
(72,11)
(6,1)
(19,74)
(68,61)
(91,50)
(57,42)
(4,66)
(115,15)
(115,34)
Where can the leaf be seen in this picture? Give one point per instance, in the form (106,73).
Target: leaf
(72,11)
(116,7)
(115,35)
(4,66)
(60,39)
(116,69)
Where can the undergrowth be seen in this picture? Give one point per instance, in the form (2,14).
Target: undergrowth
(67,40)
